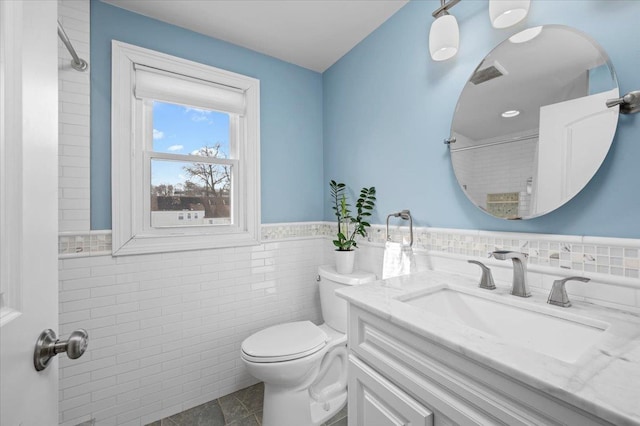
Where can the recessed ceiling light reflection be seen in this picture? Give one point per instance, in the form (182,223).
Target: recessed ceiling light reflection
(511,113)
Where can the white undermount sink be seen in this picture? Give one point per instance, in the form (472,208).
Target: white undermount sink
(563,336)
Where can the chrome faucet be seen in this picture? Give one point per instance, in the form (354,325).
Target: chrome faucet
(558,295)
(520,287)
(486,280)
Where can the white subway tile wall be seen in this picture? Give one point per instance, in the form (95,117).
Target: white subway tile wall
(502,168)
(74,125)
(165,329)
(505,167)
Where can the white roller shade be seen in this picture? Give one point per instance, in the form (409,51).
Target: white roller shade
(164,86)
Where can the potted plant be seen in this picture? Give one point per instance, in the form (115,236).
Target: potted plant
(348,225)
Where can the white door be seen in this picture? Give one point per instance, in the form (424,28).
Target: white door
(574,140)
(28,209)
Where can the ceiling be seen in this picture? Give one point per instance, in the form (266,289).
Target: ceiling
(550,68)
(313,34)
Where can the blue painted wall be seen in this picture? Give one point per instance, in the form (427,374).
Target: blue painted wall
(291,112)
(387,108)
(378,117)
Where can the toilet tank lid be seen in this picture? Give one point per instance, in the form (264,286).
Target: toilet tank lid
(356,278)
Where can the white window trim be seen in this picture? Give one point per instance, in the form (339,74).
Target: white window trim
(127,167)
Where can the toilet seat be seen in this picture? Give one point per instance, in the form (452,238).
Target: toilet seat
(284,342)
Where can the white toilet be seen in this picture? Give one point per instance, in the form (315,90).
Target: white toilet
(303,365)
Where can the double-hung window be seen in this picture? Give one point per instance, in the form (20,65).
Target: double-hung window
(185,154)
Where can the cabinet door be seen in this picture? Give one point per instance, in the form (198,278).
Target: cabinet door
(374,401)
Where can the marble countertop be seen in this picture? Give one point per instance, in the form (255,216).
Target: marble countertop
(604,380)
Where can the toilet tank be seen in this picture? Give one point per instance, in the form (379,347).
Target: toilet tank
(334,309)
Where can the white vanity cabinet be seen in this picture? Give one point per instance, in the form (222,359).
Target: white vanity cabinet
(398,377)
(375,401)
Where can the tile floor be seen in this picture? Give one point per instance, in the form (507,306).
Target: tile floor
(241,408)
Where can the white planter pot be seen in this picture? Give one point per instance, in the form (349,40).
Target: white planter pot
(345,261)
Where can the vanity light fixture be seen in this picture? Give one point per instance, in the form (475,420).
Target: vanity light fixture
(505,13)
(444,36)
(511,113)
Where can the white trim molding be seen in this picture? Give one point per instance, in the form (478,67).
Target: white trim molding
(130,234)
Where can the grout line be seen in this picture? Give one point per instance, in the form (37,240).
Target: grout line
(243,405)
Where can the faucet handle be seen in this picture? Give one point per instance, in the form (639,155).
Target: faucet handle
(486,281)
(508,254)
(558,295)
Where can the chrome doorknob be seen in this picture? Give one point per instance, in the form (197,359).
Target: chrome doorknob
(48,346)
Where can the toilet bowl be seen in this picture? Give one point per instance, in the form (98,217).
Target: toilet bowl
(303,365)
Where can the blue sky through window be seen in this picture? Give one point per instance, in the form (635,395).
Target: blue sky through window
(179,129)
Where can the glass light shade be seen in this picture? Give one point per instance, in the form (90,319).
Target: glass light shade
(505,13)
(526,35)
(444,38)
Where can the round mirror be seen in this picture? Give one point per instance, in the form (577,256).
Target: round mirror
(531,126)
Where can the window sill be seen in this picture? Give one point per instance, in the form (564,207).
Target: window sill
(147,244)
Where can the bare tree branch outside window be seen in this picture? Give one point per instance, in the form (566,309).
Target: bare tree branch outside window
(206,187)
(214,181)
(214,178)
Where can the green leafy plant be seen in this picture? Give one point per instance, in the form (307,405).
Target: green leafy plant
(348,225)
